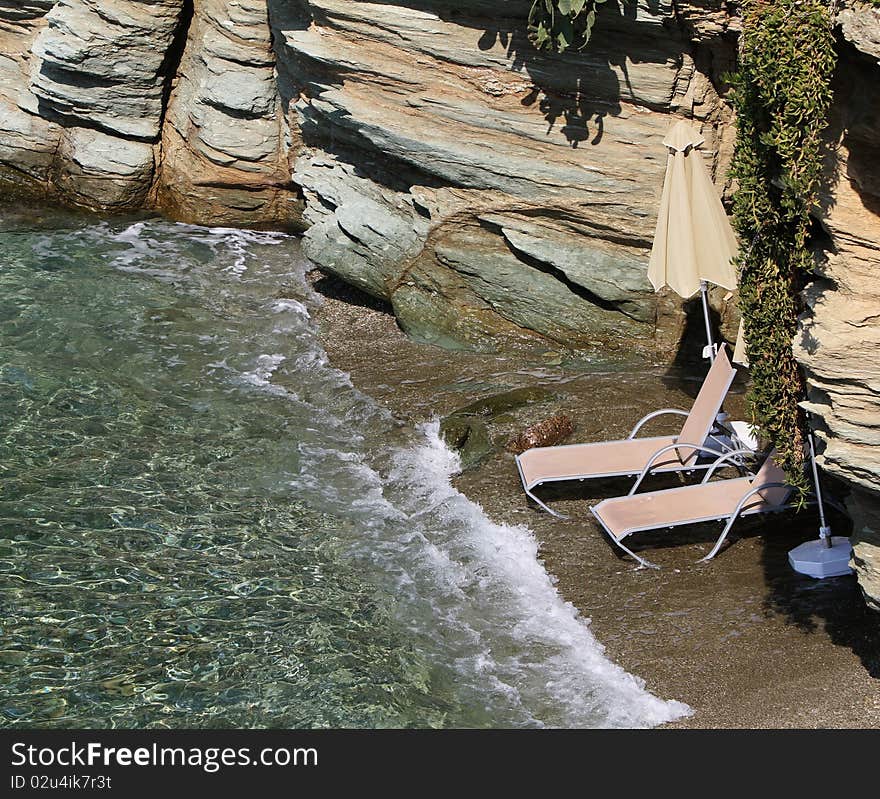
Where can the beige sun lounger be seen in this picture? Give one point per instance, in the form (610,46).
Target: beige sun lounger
(724,500)
(636,456)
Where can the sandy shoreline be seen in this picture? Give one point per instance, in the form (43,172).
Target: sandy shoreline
(743,640)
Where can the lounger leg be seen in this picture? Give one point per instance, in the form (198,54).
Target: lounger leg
(735,515)
(642,561)
(545,507)
(720,540)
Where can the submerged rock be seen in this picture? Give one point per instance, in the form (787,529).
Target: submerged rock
(467,429)
(497,404)
(469,436)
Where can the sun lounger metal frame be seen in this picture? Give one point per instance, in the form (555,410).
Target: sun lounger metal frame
(785,505)
(731,519)
(736,456)
(739,511)
(676,468)
(687,465)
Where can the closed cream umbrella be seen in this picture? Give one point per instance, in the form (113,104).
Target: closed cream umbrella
(694,243)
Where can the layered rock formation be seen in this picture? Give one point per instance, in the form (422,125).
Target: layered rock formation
(839,338)
(225,142)
(85,112)
(82,96)
(452,170)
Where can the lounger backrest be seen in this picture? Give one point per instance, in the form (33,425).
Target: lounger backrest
(706,405)
(771,473)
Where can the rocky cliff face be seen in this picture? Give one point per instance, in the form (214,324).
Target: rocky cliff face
(488,192)
(166,104)
(839,338)
(452,170)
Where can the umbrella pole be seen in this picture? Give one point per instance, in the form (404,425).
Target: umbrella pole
(704,292)
(824,529)
(829,556)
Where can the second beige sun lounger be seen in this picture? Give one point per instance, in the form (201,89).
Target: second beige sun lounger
(635,456)
(724,500)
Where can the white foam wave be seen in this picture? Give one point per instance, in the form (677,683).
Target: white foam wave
(238,242)
(144,244)
(537,645)
(289,305)
(261,375)
(475,592)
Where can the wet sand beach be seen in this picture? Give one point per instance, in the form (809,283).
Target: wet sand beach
(742,639)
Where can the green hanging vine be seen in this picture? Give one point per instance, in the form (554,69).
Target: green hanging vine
(556,25)
(781,93)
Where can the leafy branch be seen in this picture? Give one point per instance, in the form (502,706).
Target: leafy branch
(556,25)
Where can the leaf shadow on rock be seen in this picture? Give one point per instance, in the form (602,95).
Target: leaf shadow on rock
(574,91)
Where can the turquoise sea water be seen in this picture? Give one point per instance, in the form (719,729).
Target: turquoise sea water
(204,524)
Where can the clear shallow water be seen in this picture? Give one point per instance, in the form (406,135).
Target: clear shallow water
(203,523)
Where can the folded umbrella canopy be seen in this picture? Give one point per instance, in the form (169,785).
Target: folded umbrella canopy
(694,242)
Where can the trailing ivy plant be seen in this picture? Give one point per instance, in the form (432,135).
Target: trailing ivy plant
(781,94)
(556,25)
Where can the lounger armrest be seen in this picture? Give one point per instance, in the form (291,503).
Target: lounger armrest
(752,492)
(669,448)
(736,453)
(735,515)
(662,412)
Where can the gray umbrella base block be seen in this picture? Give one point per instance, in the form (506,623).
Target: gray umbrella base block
(817,559)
